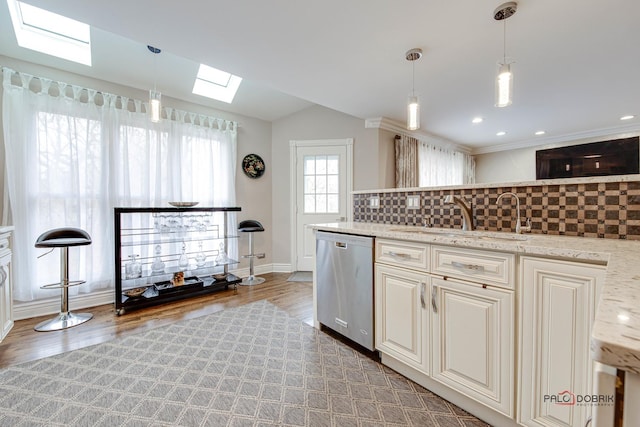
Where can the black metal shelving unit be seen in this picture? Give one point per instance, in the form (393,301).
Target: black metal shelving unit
(171,229)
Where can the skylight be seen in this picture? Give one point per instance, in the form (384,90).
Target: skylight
(216,84)
(47,32)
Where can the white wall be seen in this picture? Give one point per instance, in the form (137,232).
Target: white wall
(505,166)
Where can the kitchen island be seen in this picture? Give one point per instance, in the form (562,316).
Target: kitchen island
(614,329)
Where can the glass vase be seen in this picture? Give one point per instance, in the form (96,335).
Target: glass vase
(133,268)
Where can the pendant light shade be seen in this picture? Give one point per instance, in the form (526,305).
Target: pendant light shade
(413,104)
(413,113)
(504,86)
(155,105)
(504,80)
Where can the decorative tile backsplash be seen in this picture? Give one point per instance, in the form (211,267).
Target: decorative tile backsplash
(594,209)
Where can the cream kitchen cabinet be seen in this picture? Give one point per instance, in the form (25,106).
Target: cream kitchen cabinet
(402,315)
(431,316)
(6,300)
(472,341)
(557,308)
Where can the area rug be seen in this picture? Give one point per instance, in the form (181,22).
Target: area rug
(301,276)
(247,366)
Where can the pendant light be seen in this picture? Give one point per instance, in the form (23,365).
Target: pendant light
(504,81)
(413,106)
(155,106)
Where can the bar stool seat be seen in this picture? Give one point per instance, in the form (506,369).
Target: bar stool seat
(63,238)
(251,226)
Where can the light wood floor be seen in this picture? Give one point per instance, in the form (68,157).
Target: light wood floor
(24,344)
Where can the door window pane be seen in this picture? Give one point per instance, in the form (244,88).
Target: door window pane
(309,165)
(332,165)
(321,184)
(309,185)
(309,203)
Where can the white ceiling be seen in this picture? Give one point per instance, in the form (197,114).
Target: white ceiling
(577,62)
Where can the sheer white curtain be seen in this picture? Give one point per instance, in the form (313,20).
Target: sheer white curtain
(73,154)
(440,166)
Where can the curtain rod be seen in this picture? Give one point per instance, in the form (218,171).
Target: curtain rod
(129,101)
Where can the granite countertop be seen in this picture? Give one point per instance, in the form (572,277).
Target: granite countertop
(615,338)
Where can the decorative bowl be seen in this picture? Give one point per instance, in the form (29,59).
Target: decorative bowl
(220,276)
(135,292)
(183,204)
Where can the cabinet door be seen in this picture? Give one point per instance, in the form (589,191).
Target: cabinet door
(6,310)
(557,308)
(473,347)
(402,315)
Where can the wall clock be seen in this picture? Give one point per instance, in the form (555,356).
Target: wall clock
(253,165)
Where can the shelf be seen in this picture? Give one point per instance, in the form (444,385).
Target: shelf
(177,239)
(147,276)
(152,297)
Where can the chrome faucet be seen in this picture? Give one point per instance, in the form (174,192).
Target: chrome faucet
(519,228)
(464,208)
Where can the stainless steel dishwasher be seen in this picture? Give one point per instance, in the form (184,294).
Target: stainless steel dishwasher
(344,279)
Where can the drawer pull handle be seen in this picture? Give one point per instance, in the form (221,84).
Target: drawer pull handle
(434,294)
(471,267)
(422,291)
(399,255)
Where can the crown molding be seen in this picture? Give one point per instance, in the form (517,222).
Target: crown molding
(576,137)
(421,135)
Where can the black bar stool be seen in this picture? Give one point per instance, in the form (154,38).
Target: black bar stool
(251,226)
(63,238)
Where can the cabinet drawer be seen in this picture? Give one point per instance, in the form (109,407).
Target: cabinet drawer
(403,254)
(486,267)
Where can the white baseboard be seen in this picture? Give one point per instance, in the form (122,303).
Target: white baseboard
(282,268)
(27,310)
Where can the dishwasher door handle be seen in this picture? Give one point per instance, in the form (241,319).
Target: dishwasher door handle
(341,245)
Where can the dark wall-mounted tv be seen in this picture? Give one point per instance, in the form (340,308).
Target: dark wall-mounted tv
(614,157)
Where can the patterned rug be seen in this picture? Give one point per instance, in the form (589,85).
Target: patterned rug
(247,366)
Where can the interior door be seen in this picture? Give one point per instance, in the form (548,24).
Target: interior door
(323,186)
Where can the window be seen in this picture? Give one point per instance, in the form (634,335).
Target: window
(216,84)
(439,166)
(47,32)
(321,184)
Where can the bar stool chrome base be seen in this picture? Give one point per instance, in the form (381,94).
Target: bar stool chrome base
(63,321)
(251,281)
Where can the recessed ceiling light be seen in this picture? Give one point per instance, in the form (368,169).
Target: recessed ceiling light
(629,117)
(477,120)
(540,132)
(501,133)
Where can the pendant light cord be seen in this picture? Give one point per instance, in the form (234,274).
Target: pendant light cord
(155,71)
(413,78)
(504,41)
